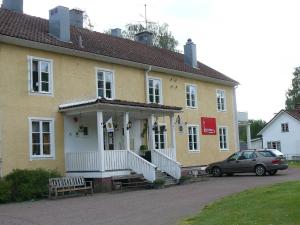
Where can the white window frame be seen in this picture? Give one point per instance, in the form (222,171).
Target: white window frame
(220,91)
(190,95)
(223,139)
(276,144)
(285,127)
(51,83)
(97,69)
(198,138)
(164,134)
(160,89)
(52,138)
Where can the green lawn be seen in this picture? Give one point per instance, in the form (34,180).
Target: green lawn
(273,205)
(294,164)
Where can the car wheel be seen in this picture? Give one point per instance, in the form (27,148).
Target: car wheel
(216,172)
(229,174)
(272,172)
(260,170)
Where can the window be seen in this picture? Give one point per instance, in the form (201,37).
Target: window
(105,84)
(191,96)
(274,145)
(223,138)
(160,137)
(221,101)
(41,138)
(284,127)
(154,91)
(40,75)
(193,132)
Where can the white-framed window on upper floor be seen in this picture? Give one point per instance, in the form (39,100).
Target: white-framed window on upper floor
(40,76)
(191,95)
(221,100)
(41,138)
(193,138)
(160,136)
(274,145)
(223,138)
(105,83)
(285,127)
(154,90)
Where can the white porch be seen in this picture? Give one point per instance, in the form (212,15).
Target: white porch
(93,152)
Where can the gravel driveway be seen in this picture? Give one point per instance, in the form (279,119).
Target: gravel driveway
(147,207)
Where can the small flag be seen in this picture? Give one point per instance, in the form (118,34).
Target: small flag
(109,125)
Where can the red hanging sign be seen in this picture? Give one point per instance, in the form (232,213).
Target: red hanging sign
(208,126)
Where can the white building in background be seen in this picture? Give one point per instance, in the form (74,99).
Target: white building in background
(243,121)
(283,133)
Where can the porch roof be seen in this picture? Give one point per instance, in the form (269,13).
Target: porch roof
(94,104)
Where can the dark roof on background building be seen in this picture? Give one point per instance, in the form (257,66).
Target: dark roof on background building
(117,102)
(294,113)
(35,29)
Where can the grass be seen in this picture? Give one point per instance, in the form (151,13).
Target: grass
(294,164)
(272,205)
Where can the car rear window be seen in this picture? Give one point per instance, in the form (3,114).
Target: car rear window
(267,153)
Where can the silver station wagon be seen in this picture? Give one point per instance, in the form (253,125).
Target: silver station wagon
(249,161)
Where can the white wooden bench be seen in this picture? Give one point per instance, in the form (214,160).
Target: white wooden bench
(69,185)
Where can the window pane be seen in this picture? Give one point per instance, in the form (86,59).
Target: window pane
(46,138)
(151,98)
(44,67)
(162,138)
(162,145)
(35,66)
(191,146)
(100,75)
(35,81)
(45,77)
(108,77)
(46,149)
(108,94)
(46,127)
(35,127)
(36,149)
(108,85)
(195,146)
(156,91)
(45,87)
(156,99)
(100,93)
(36,138)
(190,138)
(150,83)
(100,84)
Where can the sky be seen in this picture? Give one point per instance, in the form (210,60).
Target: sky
(256,42)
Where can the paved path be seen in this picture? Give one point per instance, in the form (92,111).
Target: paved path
(149,207)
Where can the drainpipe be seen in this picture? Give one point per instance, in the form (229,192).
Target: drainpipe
(146,83)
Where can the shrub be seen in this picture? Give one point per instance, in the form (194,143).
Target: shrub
(5,191)
(29,184)
(159,183)
(184,179)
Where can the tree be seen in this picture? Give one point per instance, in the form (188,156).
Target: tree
(293,94)
(162,37)
(255,126)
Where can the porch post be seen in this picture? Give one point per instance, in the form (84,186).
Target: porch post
(151,133)
(173,134)
(100,138)
(126,131)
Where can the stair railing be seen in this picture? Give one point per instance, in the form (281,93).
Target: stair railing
(166,164)
(140,165)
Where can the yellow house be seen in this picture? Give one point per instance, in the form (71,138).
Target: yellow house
(84,103)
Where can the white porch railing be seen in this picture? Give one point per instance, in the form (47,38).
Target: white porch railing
(166,164)
(140,165)
(83,161)
(168,152)
(115,160)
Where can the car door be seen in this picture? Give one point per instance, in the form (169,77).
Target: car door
(246,162)
(229,165)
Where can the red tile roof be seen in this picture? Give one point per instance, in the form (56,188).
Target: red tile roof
(35,29)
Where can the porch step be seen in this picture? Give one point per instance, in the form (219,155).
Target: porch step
(169,181)
(130,182)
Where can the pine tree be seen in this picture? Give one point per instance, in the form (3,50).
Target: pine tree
(293,94)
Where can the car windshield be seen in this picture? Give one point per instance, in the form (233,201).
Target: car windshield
(267,153)
(235,156)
